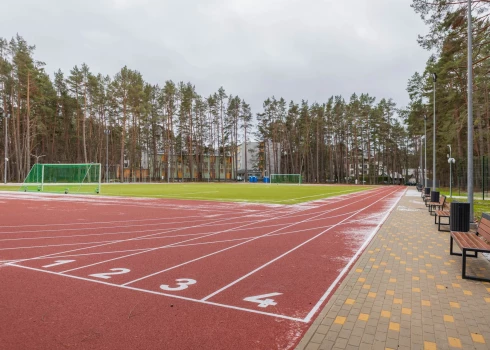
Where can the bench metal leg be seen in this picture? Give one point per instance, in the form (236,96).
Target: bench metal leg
(451,252)
(463,273)
(440,223)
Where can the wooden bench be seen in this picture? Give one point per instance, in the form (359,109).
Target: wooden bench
(443,213)
(440,204)
(419,188)
(472,242)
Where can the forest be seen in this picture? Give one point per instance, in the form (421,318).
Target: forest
(67,117)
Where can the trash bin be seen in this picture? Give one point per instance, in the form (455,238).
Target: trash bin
(434,196)
(427,191)
(460,217)
(266,179)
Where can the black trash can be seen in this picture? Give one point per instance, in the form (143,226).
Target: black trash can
(460,217)
(434,196)
(427,191)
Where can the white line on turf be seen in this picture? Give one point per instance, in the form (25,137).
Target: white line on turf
(162,294)
(214,253)
(347,267)
(290,251)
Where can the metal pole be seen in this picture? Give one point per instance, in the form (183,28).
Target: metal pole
(434,76)
(425,151)
(450,172)
(107,158)
(6,149)
(421,163)
(470,114)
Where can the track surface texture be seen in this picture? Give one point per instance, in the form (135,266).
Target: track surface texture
(118,273)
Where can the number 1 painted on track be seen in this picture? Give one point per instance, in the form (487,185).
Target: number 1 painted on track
(58,262)
(262,299)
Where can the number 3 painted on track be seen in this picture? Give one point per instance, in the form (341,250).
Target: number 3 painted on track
(182,283)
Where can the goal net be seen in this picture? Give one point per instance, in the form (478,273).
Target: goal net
(286,179)
(63,178)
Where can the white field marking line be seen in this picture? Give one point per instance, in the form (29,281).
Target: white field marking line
(106,227)
(102,222)
(162,294)
(289,251)
(178,229)
(204,243)
(130,239)
(351,261)
(221,250)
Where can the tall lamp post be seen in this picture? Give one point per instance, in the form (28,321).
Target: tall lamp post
(5,115)
(425,150)
(37,157)
(470,113)
(434,78)
(107,132)
(451,162)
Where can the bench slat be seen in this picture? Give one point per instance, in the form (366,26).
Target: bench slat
(468,240)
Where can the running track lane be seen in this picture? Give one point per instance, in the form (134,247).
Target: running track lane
(58,312)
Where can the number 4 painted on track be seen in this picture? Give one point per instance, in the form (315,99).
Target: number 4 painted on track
(262,299)
(58,262)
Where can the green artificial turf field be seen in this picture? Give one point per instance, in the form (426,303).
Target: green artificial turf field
(236,192)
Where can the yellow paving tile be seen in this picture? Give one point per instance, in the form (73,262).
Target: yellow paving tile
(350,301)
(408,269)
(454,304)
(477,338)
(454,342)
(392,280)
(456,285)
(394,326)
(440,286)
(390,292)
(406,311)
(372,259)
(366,286)
(443,272)
(425,303)
(361,279)
(416,290)
(358,270)
(428,345)
(448,318)
(386,314)
(340,320)
(372,295)
(467,292)
(487,300)
(397,301)
(387,271)
(415,278)
(430,277)
(363,317)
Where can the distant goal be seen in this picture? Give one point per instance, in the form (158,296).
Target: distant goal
(286,179)
(63,178)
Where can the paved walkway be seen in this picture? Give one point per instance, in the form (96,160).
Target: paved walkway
(406,292)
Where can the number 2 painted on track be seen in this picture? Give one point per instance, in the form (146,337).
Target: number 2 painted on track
(182,283)
(262,299)
(107,275)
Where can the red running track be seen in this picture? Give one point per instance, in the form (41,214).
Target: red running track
(109,273)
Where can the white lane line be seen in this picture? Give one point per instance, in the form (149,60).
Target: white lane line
(105,227)
(351,261)
(225,249)
(126,240)
(163,294)
(322,194)
(290,251)
(100,222)
(203,243)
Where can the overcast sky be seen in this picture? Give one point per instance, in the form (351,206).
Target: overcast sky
(296,49)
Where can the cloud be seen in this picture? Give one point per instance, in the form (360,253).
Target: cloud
(297,49)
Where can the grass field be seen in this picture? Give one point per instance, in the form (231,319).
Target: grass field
(236,192)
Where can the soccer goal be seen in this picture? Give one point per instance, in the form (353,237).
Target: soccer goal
(286,179)
(63,178)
